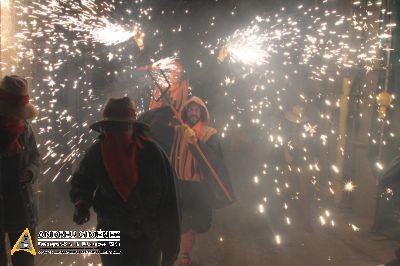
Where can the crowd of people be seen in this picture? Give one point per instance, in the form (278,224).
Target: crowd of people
(155,179)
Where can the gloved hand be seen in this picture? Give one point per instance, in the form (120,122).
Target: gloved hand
(189,134)
(82,213)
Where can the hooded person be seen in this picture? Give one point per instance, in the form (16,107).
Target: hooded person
(199,191)
(160,116)
(128,180)
(19,166)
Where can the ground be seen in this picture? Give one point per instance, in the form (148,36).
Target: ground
(240,237)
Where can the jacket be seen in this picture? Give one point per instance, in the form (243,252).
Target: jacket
(24,213)
(152,207)
(161,121)
(191,167)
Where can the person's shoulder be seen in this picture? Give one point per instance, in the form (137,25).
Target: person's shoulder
(210,128)
(150,144)
(210,132)
(94,149)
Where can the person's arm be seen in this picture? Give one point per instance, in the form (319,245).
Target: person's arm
(82,182)
(211,149)
(33,168)
(213,152)
(83,185)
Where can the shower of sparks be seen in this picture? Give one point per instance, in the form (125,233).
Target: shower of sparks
(167,65)
(61,40)
(282,59)
(170,69)
(249,46)
(112,34)
(70,24)
(271,62)
(88,22)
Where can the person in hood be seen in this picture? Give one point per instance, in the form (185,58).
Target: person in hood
(160,116)
(199,191)
(128,180)
(19,167)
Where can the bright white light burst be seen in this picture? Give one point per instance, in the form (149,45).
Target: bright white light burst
(249,46)
(112,34)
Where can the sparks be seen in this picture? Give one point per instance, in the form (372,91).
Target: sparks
(249,46)
(111,34)
(349,186)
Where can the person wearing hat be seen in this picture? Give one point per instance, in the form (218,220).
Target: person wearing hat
(19,166)
(200,192)
(299,157)
(128,180)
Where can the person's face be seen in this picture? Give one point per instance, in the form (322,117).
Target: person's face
(193,113)
(126,131)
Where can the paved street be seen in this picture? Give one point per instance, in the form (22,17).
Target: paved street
(239,236)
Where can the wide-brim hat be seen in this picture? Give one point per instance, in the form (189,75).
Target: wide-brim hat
(120,110)
(14,98)
(296,115)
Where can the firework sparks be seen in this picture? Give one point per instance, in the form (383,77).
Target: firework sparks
(278,239)
(354,227)
(271,54)
(349,186)
(112,34)
(166,64)
(248,46)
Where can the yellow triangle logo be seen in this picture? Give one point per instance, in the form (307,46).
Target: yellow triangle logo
(24,243)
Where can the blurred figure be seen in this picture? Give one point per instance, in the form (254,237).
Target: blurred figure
(200,192)
(131,185)
(160,116)
(390,178)
(19,167)
(298,156)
